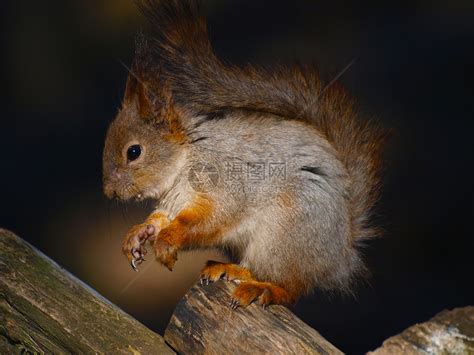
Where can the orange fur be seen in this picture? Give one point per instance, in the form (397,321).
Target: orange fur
(177,133)
(249,289)
(171,116)
(158,219)
(214,271)
(186,230)
(263,293)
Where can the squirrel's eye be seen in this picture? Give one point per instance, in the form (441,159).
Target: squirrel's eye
(134,152)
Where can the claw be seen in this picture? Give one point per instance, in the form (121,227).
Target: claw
(234,303)
(134,265)
(136,253)
(136,261)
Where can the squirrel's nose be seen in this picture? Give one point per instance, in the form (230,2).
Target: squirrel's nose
(111,181)
(115,175)
(110,192)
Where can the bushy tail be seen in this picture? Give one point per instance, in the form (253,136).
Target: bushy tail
(203,84)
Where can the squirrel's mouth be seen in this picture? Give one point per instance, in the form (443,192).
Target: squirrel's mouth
(138,197)
(127,193)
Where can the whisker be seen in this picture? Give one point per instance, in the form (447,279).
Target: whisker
(132,73)
(116,205)
(336,78)
(109,223)
(135,279)
(123,206)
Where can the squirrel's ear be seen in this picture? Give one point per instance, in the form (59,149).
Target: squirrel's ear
(151,106)
(138,94)
(130,90)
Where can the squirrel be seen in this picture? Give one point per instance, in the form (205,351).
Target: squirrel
(274,168)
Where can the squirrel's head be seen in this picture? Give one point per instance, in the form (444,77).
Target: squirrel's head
(145,146)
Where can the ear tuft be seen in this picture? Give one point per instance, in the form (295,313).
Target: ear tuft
(150,93)
(130,90)
(140,94)
(143,78)
(154,106)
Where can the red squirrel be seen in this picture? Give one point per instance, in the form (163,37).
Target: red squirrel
(274,168)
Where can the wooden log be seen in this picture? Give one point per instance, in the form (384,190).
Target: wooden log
(449,332)
(203,323)
(44,309)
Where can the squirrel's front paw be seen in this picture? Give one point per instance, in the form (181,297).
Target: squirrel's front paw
(166,253)
(134,243)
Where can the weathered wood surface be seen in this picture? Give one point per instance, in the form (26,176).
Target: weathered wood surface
(449,332)
(203,322)
(44,309)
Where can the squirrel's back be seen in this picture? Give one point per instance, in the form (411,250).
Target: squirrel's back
(182,57)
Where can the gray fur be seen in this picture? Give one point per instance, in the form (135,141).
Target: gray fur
(313,237)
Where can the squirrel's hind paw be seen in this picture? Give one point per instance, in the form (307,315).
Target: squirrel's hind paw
(262,293)
(214,271)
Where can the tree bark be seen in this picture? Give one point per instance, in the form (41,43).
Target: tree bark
(203,323)
(44,309)
(449,332)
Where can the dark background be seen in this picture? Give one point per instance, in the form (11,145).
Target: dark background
(62,82)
